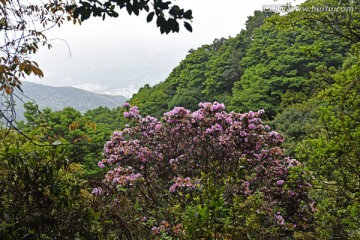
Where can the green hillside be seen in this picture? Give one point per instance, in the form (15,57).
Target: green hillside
(58,98)
(262,67)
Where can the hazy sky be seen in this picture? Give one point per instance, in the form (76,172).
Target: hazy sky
(126,52)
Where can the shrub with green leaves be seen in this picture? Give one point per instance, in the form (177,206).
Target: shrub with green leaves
(206,174)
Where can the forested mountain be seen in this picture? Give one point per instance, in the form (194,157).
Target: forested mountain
(262,67)
(280,159)
(58,98)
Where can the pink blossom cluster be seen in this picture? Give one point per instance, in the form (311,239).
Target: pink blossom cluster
(181,182)
(164,227)
(175,115)
(210,141)
(279,219)
(123,176)
(97,191)
(126,105)
(133,112)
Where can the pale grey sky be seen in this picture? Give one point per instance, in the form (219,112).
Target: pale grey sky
(117,54)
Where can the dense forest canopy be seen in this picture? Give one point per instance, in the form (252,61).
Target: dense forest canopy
(252,136)
(262,67)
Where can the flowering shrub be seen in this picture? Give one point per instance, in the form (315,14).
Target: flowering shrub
(222,172)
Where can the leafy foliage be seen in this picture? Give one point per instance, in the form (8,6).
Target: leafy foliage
(167,14)
(82,135)
(279,65)
(297,123)
(337,18)
(334,154)
(47,172)
(23,25)
(44,195)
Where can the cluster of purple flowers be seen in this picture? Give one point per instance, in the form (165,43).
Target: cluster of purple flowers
(279,219)
(154,154)
(164,227)
(280,182)
(174,115)
(133,112)
(126,105)
(97,191)
(120,176)
(181,182)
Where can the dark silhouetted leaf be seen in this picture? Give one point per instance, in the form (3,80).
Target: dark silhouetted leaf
(188,14)
(150,17)
(70,7)
(188,26)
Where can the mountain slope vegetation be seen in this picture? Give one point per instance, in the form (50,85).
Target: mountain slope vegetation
(279,160)
(262,67)
(58,98)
